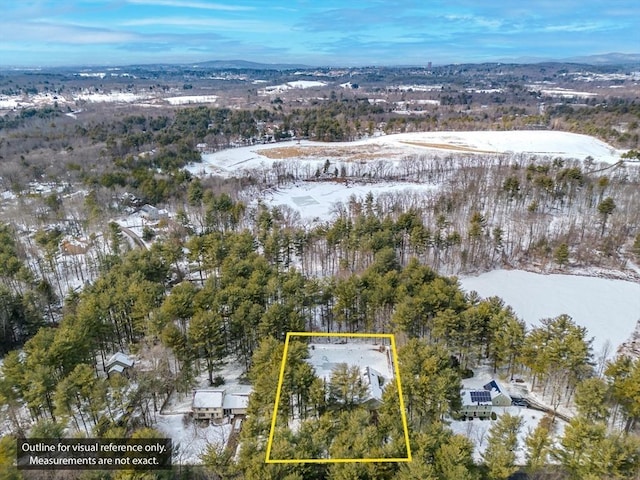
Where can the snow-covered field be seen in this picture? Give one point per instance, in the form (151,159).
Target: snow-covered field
(318,201)
(114,96)
(394,147)
(188,99)
(291,85)
(608,308)
(560,92)
(416,88)
(29,101)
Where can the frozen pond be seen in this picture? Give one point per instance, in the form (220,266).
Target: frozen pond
(608,308)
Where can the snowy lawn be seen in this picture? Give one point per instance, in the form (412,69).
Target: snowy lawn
(193,438)
(190,440)
(608,308)
(187,99)
(478,430)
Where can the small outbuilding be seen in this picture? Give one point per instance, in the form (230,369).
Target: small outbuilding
(118,363)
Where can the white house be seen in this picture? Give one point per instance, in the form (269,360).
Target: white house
(217,404)
(207,404)
(235,404)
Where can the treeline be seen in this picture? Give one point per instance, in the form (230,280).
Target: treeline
(613,120)
(235,303)
(553,213)
(12,121)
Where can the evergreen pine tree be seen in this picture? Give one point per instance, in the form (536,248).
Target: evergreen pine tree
(500,455)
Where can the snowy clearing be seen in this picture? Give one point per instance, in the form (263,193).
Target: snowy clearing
(324,357)
(415,88)
(478,430)
(608,308)
(319,201)
(380,156)
(193,438)
(188,99)
(394,147)
(191,441)
(116,97)
(291,85)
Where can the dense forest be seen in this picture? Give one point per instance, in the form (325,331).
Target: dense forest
(226,277)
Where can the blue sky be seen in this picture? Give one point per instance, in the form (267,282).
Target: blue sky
(321,32)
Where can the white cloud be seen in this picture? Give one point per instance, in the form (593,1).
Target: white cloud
(222,24)
(475,20)
(62,34)
(576,27)
(191,4)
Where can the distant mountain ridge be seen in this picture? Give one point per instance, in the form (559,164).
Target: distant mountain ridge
(608,59)
(595,60)
(613,58)
(244,64)
(605,59)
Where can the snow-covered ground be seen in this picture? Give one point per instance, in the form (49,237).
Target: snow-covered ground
(415,88)
(291,85)
(395,147)
(324,357)
(608,308)
(114,96)
(478,430)
(561,92)
(188,99)
(191,440)
(538,142)
(318,201)
(29,101)
(380,154)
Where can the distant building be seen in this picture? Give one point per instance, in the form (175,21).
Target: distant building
(153,214)
(218,404)
(118,363)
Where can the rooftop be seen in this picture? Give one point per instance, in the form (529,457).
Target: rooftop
(208,398)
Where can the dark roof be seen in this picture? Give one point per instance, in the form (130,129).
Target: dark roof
(480,396)
(491,385)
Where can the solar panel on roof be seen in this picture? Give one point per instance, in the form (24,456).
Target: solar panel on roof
(481,396)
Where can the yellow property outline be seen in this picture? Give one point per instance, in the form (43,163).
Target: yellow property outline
(403,414)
